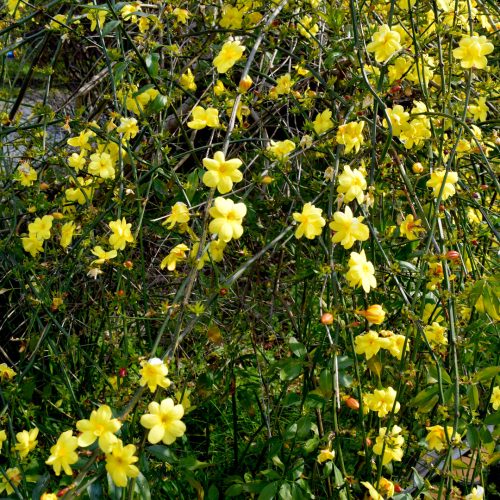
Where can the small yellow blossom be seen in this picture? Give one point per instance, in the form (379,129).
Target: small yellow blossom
(221,173)
(374,314)
(77,161)
(227,219)
(119,463)
(154,373)
(204,118)
(128,127)
(394,442)
(6,373)
(411,228)
(97,17)
(323,122)
(414,133)
(308,28)
(437,179)
(311,222)
(370,343)
(32,245)
(281,149)
(26,174)
(325,455)
(63,454)
(182,15)
(398,118)
(230,54)
(82,193)
(232,18)
(385,43)
(436,334)
(352,184)
(382,401)
(284,84)
(40,228)
(495,397)
(478,111)
(472,52)
(14,479)
(436,437)
(3,437)
(351,135)
(477,493)
(164,421)
(219,88)
(67,231)
(361,272)
(186,81)
(101,426)
(102,255)
(176,254)
(26,441)
(179,215)
(82,140)
(348,229)
(121,234)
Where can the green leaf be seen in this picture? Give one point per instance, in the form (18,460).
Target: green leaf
(473,396)
(110,26)
(269,492)
(142,487)
(433,372)
(493,418)
(118,71)
(160,102)
(234,490)
(40,486)
(424,396)
(486,374)
(213,493)
(153,63)
(473,437)
(297,348)
(285,492)
(290,369)
(94,491)
(326,382)
(162,453)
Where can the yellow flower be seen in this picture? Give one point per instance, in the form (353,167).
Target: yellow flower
(177,253)
(396,344)
(82,140)
(374,314)
(361,272)
(179,215)
(437,179)
(186,80)
(181,14)
(393,444)
(382,401)
(26,441)
(411,228)
(323,122)
(96,17)
(128,127)
(67,231)
(495,398)
(399,68)
(370,344)
(398,118)
(245,84)
(352,183)
(414,133)
(325,454)
(472,52)
(15,8)
(100,426)
(164,421)
(307,28)
(128,10)
(119,463)
(385,43)
(26,174)
(49,496)
(40,228)
(63,454)
(102,255)
(121,234)
(82,193)
(77,161)
(232,18)
(154,373)
(32,245)
(221,172)
(311,222)
(215,253)
(385,489)
(101,165)
(436,334)
(230,54)
(436,438)
(479,111)
(204,118)
(14,479)
(281,149)
(3,437)
(219,88)
(228,218)
(351,135)
(284,84)
(348,229)
(477,493)
(374,494)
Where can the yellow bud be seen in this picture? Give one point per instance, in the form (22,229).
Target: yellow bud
(374,314)
(417,168)
(266,179)
(245,84)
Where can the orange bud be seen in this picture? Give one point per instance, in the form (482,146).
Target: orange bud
(245,84)
(327,319)
(352,403)
(452,255)
(374,314)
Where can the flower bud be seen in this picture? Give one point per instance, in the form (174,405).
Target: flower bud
(374,314)
(327,318)
(352,403)
(245,84)
(452,255)
(417,168)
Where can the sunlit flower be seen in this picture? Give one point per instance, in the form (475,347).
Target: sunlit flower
(179,215)
(414,133)
(230,54)
(182,15)
(82,193)
(101,165)
(121,234)
(221,173)
(154,373)
(232,18)
(281,149)
(348,229)
(385,43)
(437,179)
(67,231)
(284,84)
(97,17)
(77,161)
(311,222)
(119,463)
(176,254)
(352,184)
(26,174)
(82,140)
(472,52)
(436,438)
(436,334)
(411,228)
(479,111)
(26,441)
(374,314)
(186,81)
(323,122)
(32,245)
(382,401)
(307,27)
(227,219)
(63,454)
(3,437)
(385,489)
(495,397)
(361,272)
(370,343)
(102,255)
(396,344)
(393,444)
(14,479)
(40,228)
(398,68)
(351,135)
(164,421)
(204,118)
(101,426)
(325,455)
(398,118)
(214,253)
(128,127)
